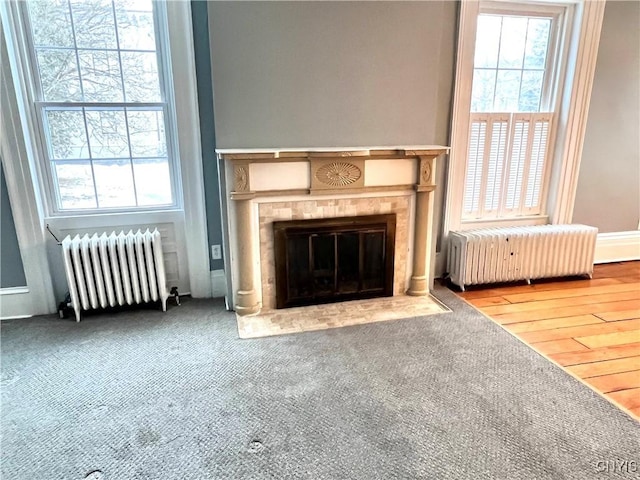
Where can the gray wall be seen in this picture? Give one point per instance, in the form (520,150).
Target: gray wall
(207,127)
(608,194)
(11,270)
(319,74)
(331,74)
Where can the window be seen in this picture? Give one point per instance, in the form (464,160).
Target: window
(100,103)
(509,66)
(511,114)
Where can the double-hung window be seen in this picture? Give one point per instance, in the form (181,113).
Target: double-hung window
(512,112)
(101,103)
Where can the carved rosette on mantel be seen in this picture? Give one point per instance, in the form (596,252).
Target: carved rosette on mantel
(325,172)
(333,174)
(241,175)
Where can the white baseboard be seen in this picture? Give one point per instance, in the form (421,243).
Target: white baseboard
(13,290)
(15,317)
(16,302)
(218,283)
(617,247)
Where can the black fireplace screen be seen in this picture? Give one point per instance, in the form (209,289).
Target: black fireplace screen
(335,259)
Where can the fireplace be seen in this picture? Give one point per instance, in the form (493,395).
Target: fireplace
(263,187)
(335,259)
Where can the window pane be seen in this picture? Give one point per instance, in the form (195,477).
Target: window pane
(487,41)
(146,131)
(522,43)
(507,91)
(75,184)
(59,75)
(141,81)
(114,183)
(107,134)
(135,26)
(134,5)
(101,81)
(530,91)
(537,43)
(153,181)
(51,23)
(484,82)
(67,134)
(93,23)
(512,42)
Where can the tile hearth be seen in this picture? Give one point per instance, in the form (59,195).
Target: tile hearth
(271,322)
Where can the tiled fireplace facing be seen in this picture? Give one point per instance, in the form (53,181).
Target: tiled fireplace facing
(270,185)
(332,208)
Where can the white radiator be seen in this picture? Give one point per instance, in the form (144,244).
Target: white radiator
(114,270)
(492,255)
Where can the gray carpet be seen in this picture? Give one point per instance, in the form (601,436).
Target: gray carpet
(147,395)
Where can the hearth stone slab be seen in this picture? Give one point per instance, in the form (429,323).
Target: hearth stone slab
(271,322)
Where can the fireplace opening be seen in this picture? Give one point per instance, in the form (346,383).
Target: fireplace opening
(333,259)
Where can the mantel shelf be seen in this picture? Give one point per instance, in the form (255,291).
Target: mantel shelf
(331,152)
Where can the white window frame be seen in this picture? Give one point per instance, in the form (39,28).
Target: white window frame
(35,107)
(37,297)
(181,64)
(578,42)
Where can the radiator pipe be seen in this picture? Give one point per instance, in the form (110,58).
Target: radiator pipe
(53,235)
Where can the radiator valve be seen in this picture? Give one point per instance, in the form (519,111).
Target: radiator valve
(174,292)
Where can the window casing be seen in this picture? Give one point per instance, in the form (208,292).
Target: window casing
(101,95)
(517,58)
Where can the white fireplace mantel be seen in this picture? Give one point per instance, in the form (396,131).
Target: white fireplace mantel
(254,175)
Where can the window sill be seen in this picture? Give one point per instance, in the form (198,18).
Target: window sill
(504,222)
(114,219)
(112,212)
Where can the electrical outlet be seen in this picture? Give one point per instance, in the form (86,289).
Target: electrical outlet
(216,252)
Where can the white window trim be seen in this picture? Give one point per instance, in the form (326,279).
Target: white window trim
(22,171)
(183,68)
(570,117)
(37,298)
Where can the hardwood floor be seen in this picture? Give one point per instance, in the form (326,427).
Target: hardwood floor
(591,328)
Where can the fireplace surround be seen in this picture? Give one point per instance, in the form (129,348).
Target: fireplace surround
(263,186)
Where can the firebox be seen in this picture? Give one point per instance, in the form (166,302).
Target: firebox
(333,259)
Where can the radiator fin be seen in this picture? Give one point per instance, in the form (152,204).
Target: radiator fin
(114,270)
(493,255)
